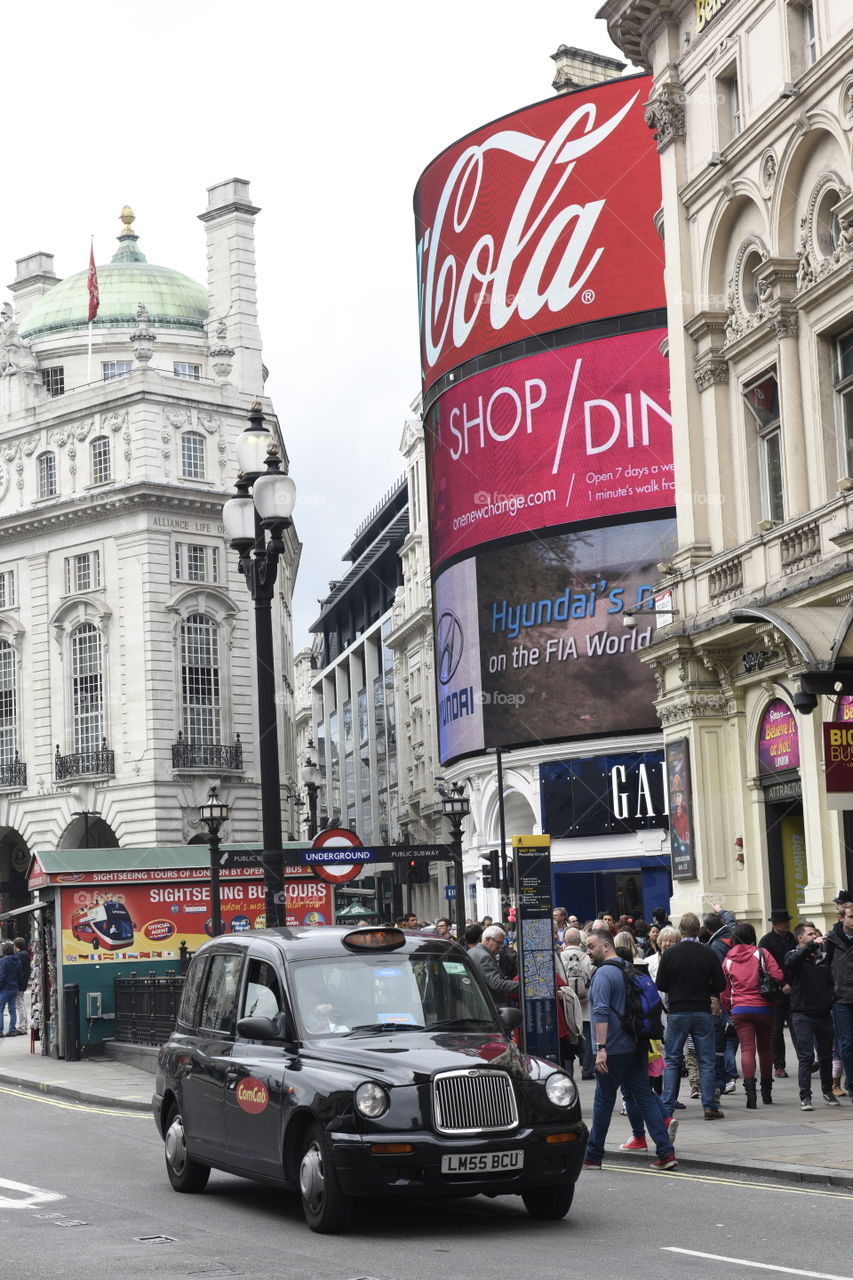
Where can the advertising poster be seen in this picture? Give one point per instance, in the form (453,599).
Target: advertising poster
(681,831)
(576,434)
(838,762)
(778,739)
(538,221)
(794,863)
(149,922)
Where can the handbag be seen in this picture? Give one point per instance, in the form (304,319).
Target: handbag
(768,986)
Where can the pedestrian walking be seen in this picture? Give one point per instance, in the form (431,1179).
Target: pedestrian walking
(22,952)
(812,998)
(779,942)
(484,955)
(839,949)
(751,1011)
(690,975)
(10,971)
(619,1057)
(578,971)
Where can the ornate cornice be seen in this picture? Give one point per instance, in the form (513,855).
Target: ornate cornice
(91,508)
(702,706)
(710,369)
(664,114)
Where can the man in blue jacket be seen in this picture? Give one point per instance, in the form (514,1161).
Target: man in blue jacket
(10,972)
(619,1058)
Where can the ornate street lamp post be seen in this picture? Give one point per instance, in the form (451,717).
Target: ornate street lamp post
(255,520)
(213,813)
(309,777)
(457,807)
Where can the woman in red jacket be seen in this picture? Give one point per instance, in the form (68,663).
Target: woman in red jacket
(752,1014)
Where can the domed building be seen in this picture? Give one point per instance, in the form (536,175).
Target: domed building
(127,662)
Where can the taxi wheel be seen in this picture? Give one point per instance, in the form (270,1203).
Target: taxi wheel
(185,1174)
(549,1203)
(324,1204)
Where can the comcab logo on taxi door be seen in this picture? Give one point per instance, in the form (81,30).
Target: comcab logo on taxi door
(252,1096)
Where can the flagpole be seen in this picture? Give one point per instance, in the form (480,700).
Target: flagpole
(89,361)
(94,302)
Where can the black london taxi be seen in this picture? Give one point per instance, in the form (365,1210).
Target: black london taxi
(358,1063)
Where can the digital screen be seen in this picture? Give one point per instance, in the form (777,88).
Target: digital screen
(538,221)
(531,640)
(569,435)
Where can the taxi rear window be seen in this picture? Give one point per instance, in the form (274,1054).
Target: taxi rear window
(190,993)
(219,1003)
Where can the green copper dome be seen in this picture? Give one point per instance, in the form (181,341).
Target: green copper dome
(174,301)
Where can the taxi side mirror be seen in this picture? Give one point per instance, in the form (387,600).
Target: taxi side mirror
(510,1017)
(258,1029)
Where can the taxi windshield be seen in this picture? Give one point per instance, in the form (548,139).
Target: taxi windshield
(368,994)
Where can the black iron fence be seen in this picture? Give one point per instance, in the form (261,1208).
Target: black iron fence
(207,755)
(147,1008)
(100,760)
(13,774)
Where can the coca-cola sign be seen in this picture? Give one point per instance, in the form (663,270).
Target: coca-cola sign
(539,221)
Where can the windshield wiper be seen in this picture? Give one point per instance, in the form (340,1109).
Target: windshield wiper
(457,1023)
(376,1028)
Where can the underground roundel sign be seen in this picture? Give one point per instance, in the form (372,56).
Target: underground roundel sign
(252,1095)
(335,841)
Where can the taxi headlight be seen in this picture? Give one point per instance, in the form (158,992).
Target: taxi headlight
(371,1100)
(560,1090)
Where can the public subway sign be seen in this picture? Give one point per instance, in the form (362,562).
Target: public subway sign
(575,434)
(778,739)
(538,221)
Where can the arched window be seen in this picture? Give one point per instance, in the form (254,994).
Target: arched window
(200,705)
(99,453)
(87,688)
(46,464)
(8,704)
(192,455)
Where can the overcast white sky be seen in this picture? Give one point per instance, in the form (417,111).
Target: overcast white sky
(331,111)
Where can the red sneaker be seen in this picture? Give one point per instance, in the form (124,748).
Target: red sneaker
(635,1144)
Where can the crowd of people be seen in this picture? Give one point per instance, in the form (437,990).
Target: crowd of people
(724,999)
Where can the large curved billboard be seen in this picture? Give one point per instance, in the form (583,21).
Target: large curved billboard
(547,415)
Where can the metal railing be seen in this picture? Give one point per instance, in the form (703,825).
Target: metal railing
(83,764)
(207,755)
(13,774)
(147,1008)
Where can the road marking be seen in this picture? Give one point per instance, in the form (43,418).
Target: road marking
(27,1197)
(27,1096)
(763,1266)
(685,1175)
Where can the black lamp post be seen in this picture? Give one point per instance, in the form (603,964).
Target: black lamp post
(309,777)
(457,807)
(213,813)
(255,520)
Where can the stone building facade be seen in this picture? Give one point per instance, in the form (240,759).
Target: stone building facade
(752,107)
(126,644)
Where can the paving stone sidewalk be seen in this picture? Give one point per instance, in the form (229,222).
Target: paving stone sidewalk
(776,1140)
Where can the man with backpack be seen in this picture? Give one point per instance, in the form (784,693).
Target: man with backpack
(690,974)
(620,1033)
(578,971)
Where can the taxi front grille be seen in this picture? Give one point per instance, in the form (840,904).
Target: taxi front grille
(468,1101)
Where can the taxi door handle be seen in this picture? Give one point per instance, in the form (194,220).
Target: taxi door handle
(232,1075)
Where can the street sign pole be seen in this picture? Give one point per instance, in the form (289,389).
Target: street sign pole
(537,982)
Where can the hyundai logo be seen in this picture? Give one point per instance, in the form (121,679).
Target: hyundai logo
(450,643)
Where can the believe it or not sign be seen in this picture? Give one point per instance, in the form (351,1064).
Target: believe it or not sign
(838,763)
(778,739)
(706,10)
(537,981)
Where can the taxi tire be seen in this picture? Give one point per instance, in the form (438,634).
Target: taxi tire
(547,1204)
(325,1206)
(185,1174)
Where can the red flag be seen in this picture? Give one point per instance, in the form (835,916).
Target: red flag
(92,286)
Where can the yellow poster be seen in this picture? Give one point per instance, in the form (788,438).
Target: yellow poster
(794,862)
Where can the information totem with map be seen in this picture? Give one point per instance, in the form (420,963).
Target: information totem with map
(537,982)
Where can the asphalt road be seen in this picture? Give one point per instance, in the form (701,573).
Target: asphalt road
(83,1191)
